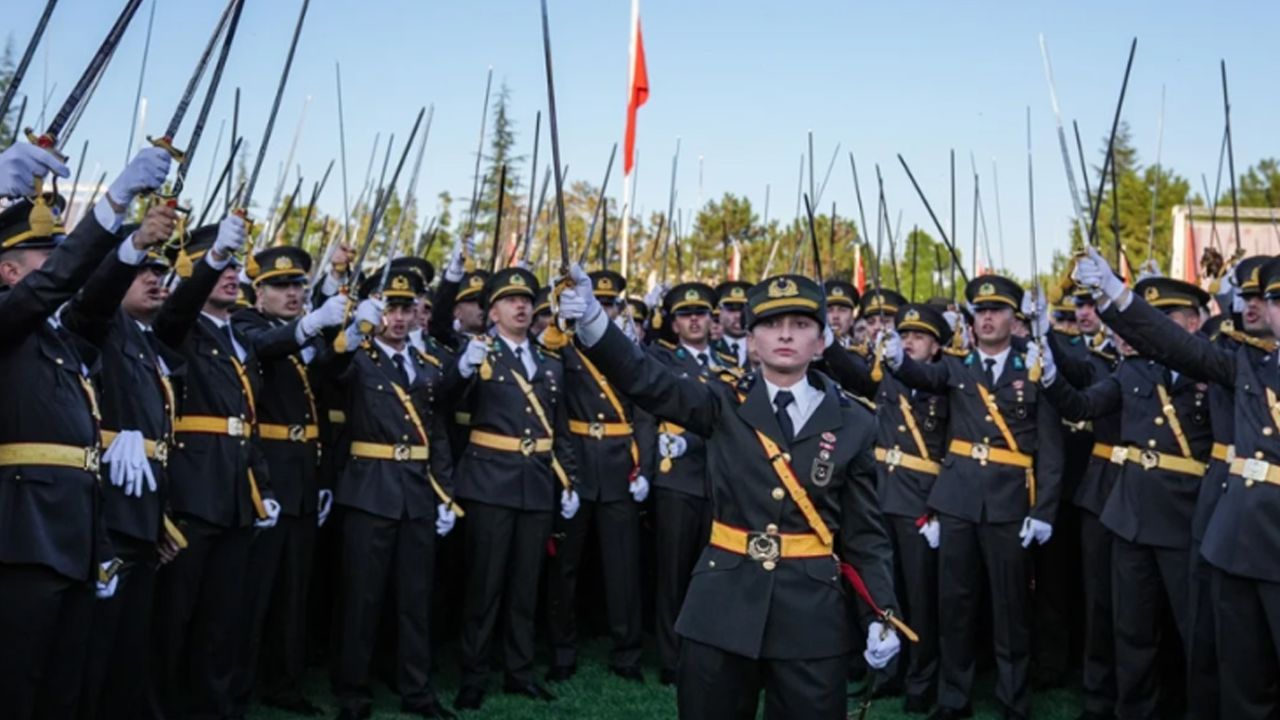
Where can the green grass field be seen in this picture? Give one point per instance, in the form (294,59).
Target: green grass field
(596,694)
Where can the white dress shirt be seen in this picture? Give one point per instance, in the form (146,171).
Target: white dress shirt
(738,346)
(695,352)
(391,353)
(807,399)
(996,369)
(525,355)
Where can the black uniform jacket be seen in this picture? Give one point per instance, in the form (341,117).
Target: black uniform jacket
(687,473)
(50,515)
(1081,364)
(798,609)
(994,492)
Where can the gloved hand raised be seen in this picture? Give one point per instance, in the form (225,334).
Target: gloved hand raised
(21,163)
(1093,272)
(1035,308)
(579,302)
(231,236)
(473,356)
(892,353)
(144,173)
(330,314)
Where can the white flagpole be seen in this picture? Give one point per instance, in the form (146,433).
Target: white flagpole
(625,247)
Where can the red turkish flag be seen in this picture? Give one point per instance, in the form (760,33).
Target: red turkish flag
(859,272)
(638,92)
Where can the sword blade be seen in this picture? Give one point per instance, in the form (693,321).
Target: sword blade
(21,69)
(89,78)
(247,195)
(175,121)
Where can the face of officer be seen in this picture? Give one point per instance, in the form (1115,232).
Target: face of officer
(1255,315)
(420,315)
(877,322)
(396,319)
(17,264)
(921,346)
(1087,318)
(512,315)
(860,330)
(839,317)
(540,323)
(145,295)
(786,343)
(281,300)
(731,320)
(714,330)
(469,316)
(1273,316)
(693,328)
(993,326)
(225,291)
(1186,318)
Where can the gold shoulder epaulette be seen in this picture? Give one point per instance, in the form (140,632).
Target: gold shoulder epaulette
(726,357)
(1266,346)
(859,399)
(955,351)
(667,344)
(430,358)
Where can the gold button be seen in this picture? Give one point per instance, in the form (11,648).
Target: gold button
(778,493)
(768,565)
(1151,443)
(902,428)
(1267,431)
(711,563)
(987,418)
(58,360)
(961,386)
(528,409)
(599,416)
(771,529)
(379,387)
(1159,421)
(1257,455)
(406,417)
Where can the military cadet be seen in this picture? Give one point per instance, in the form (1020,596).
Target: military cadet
(911,438)
(878,307)
(395,492)
(285,340)
(422,306)
(518,453)
(610,486)
(54,551)
(1239,543)
(1084,359)
(113,313)
(842,309)
(639,319)
(733,341)
(458,315)
(1167,437)
(219,489)
(765,608)
(681,493)
(996,494)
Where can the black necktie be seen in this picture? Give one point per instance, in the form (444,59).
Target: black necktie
(702,359)
(733,347)
(990,371)
(402,375)
(520,361)
(780,402)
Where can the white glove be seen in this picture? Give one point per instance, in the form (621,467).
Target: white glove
(1093,272)
(144,173)
(21,164)
(1049,368)
(1037,530)
(672,446)
(892,353)
(456,268)
(445,519)
(568,504)
(1227,291)
(828,337)
(1036,309)
(654,297)
(639,489)
(273,514)
(1149,269)
(129,465)
(625,323)
(473,357)
(231,235)
(581,298)
(368,313)
(104,590)
(324,507)
(882,645)
(931,531)
(331,313)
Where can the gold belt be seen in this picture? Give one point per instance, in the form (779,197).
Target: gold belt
(382,451)
(1108,453)
(600,430)
(896,458)
(462,418)
(984,454)
(68,456)
(769,546)
(292,433)
(1256,471)
(337,417)
(506,443)
(157,450)
(1150,460)
(1225,453)
(213,425)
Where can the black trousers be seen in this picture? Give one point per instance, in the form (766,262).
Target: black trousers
(1203,692)
(715,684)
(273,655)
(505,548)
(375,550)
(918,572)
(1056,600)
(1098,675)
(44,633)
(683,528)
(1247,615)
(196,631)
(617,525)
(116,672)
(1148,585)
(966,548)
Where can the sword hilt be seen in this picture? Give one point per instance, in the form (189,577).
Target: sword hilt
(45,142)
(166,143)
(340,341)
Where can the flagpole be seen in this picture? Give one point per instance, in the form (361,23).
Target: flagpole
(624,247)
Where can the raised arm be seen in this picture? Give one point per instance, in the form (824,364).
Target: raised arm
(1154,335)
(1096,400)
(850,370)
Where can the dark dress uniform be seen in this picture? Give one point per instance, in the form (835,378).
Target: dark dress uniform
(911,436)
(217,488)
(279,572)
(766,606)
(1241,541)
(1084,361)
(607,450)
(985,490)
(136,392)
(509,479)
(399,469)
(1165,441)
(51,538)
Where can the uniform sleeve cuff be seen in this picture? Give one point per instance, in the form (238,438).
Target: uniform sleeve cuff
(107,216)
(216,264)
(130,255)
(591,331)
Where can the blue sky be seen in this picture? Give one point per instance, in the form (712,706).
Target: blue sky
(741,82)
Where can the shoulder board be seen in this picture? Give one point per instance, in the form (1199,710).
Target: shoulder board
(846,395)
(731,359)
(667,344)
(1109,357)
(743,385)
(551,353)
(730,375)
(429,358)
